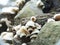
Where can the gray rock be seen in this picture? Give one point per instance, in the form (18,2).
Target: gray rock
(29,10)
(49,34)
